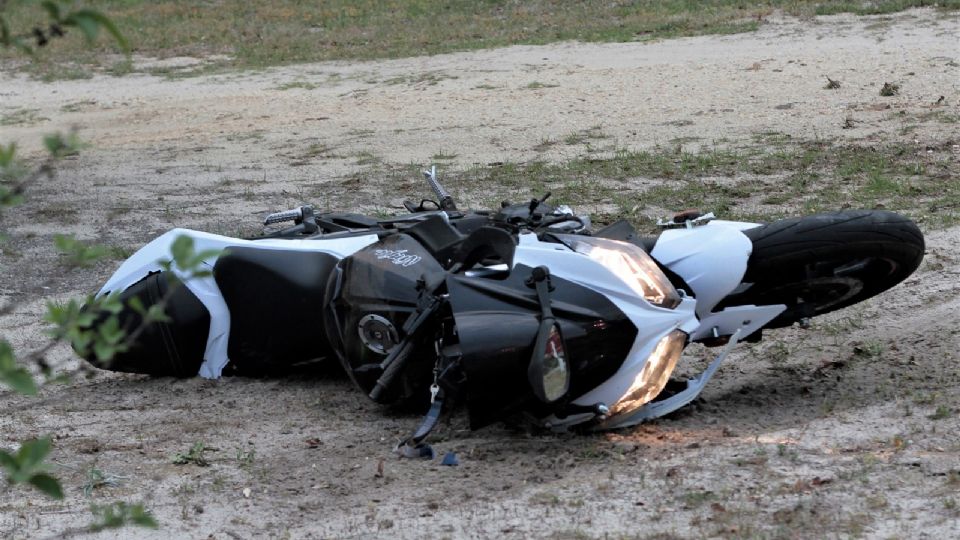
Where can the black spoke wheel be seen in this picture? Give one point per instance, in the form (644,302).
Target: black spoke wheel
(818,264)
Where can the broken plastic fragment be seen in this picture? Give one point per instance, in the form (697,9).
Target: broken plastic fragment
(421,451)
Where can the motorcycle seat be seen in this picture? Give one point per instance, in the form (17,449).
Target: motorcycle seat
(275,300)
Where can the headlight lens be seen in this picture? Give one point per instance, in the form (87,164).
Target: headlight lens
(631,264)
(654,375)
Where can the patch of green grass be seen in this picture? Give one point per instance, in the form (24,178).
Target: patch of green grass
(246,458)
(262,34)
(427,78)
(311,152)
(97,479)
(442,156)
(367,158)
(869,349)
(697,498)
(19,117)
(536,85)
(304,85)
(754,183)
(195,455)
(59,68)
(120,68)
(585,135)
(544,144)
(942,412)
(77,106)
(875,7)
(256,135)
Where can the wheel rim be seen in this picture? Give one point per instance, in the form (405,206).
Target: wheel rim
(820,293)
(830,285)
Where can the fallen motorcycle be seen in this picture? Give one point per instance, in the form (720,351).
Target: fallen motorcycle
(518,310)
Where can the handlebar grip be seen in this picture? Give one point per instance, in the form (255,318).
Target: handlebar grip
(444,198)
(289,215)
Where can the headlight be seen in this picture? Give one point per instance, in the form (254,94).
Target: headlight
(654,375)
(631,264)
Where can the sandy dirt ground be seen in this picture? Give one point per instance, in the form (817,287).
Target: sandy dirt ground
(831,431)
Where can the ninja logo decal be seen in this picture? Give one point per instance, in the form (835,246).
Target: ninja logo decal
(399,257)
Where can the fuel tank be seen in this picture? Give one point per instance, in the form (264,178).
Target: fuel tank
(369,297)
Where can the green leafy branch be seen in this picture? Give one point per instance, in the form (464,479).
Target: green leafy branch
(113,516)
(27,465)
(15,176)
(120,514)
(60,17)
(72,322)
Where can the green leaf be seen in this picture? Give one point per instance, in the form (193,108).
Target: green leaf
(7,460)
(110,331)
(14,375)
(86,319)
(4,32)
(111,303)
(53,9)
(7,360)
(197,274)
(20,380)
(87,25)
(27,462)
(32,453)
(104,351)
(137,305)
(7,154)
(90,21)
(47,484)
(182,249)
(156,314)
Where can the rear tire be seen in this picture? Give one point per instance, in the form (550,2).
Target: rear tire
(821,263)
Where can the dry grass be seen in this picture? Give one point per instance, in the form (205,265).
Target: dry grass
(260,34)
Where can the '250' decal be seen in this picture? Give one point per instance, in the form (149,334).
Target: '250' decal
(399,257)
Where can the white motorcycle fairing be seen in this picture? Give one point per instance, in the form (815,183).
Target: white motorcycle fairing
(651,322)
(148,258)
(711,258)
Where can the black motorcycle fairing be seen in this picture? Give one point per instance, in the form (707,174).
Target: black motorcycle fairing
(161,349)
(274,298)
(438,237)
(382,280)
(497,324)
(488,244)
